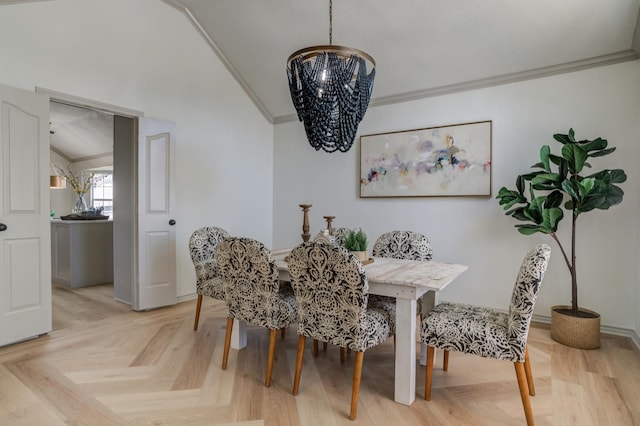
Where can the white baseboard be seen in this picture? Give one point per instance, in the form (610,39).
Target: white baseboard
(614,331)
(186,297)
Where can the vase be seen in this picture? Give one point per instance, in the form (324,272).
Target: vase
(80,205)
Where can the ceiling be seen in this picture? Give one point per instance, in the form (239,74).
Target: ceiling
(422,48)
(80,134)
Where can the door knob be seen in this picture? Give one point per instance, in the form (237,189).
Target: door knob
(3,227)
(172,222)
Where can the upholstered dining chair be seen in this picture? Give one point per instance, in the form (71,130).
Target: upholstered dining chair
(400,245)
(252,292)
(332,292)
(203,245)
(491,333)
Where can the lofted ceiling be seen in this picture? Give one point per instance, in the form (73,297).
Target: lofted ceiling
(422,47)
(78,133)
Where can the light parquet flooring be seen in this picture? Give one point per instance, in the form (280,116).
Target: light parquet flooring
(106,365)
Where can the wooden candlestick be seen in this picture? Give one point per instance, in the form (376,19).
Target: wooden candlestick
(329,219)
(305,222)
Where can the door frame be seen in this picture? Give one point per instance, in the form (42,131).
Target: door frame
(78,101)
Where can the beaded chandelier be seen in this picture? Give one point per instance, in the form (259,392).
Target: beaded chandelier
(330,89)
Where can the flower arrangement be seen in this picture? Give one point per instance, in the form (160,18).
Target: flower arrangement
(80,182)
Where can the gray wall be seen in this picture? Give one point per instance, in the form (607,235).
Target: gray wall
(602,102)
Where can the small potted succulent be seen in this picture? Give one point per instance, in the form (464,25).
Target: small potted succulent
(356,241)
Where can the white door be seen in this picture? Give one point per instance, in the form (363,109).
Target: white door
(25,237)
(156,206)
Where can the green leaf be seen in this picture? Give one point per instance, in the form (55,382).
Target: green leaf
(528,229)
(617,176)
(602,153)
(563,139)
(595,145)
(520,184)
(572,188)
(586,186)
(544,156)
(575,156)
(554,199)
(555,159)
(551,218)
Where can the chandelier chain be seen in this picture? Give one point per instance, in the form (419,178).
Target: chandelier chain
(330,22)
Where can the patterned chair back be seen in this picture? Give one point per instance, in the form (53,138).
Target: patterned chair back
(403,245)
(332,291)
(203,246)
(340,234)
(523,298)
(250,281)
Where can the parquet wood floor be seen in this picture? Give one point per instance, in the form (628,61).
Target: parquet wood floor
(106,365)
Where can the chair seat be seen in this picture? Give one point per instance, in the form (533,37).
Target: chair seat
(375,330)
(386,304)
(211,287)
(470,329)
(265,311)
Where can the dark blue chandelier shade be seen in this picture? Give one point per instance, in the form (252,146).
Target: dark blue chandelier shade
(330,90)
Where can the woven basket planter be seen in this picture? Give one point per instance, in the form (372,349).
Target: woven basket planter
(577,332)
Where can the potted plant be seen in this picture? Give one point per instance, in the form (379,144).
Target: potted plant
(356,241)
(539,200)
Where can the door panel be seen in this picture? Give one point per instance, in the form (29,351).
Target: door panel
(156,206)
(25,269)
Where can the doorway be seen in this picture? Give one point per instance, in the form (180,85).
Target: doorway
(95,136)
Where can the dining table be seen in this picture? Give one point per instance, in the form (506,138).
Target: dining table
(406,281)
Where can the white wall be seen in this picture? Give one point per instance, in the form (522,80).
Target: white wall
(145,55)
(598,102)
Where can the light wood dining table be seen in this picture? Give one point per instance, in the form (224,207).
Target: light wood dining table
(407,281)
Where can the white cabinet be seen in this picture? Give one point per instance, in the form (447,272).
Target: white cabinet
(81,252)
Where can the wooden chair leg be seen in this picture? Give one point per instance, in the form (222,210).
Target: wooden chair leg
(283,331)
(227,343)
(428,375)
(315,348)
(341,354)
(524,391)
(324,346)
(198,306)
(273,336)
(355,390)
(527,369)
(296,380)
(445,360)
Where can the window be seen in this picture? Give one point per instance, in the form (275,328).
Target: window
(102,194)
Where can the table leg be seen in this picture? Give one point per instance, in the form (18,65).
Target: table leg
(428,302)
(405,368)
(238,334)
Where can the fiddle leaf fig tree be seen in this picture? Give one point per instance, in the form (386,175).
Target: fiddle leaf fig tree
(558,185)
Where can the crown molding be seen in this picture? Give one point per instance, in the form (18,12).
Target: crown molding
(614,58)
(628,55)
(177,4)
(3,2)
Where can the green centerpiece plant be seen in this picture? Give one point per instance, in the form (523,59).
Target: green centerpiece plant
(558,184)
(356,241)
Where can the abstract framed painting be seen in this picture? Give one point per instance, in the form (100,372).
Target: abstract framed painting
(453,160)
